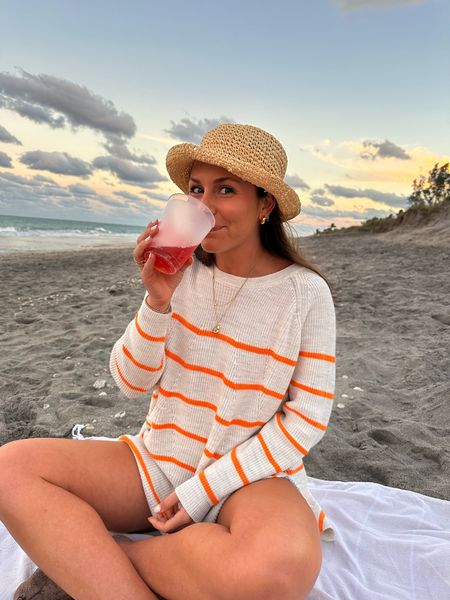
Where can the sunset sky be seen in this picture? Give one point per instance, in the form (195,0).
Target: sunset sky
(93,94)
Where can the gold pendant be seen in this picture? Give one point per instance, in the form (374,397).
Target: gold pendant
(216,328)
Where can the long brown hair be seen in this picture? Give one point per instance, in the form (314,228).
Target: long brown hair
(275,239)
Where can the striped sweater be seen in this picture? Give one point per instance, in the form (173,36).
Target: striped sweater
(234,407)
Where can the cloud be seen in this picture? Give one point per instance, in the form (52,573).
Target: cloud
(111,202)
(296,182)
(154,196)
(42,196)
(55,191)
(58,100)
(191,130)
(7,137)
(59,103)
(146,207)
(367,213)
(348,5)
(384,149)
(33,112)
(159,200)
(56,162)
(375,195)
(129,196)
(5,160)
(15,180)
(78,189)
(321,200)
(43,179)
(399,173)
(118,148)
(128,172)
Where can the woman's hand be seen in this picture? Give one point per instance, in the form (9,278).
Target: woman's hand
(171,516)
(160,286)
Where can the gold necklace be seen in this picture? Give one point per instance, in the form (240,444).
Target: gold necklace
(216,328)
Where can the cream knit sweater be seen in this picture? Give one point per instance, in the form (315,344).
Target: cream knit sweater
(242,405)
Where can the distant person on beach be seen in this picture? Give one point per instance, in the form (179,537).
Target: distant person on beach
(237,351)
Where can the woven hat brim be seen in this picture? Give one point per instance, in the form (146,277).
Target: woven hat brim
(181,157)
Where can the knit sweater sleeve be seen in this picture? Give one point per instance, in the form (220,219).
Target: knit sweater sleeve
(137,358)
(295,428)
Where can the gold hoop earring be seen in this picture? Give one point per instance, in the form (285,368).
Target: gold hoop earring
(264,220)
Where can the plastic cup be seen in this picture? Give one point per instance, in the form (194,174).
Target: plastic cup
(184,223)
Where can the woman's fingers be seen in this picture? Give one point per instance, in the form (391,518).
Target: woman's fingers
(151,228)
(140,252)
(178,521)
(148,262)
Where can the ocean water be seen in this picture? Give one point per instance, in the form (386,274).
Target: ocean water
(31,233)
(25,234)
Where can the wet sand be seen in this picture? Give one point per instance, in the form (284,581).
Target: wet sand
(60,313)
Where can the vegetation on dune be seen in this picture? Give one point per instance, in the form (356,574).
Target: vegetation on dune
(429,199)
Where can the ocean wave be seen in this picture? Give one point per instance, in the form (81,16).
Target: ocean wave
(96,232)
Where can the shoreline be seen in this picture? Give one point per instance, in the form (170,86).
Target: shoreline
(45,244)
(61,312)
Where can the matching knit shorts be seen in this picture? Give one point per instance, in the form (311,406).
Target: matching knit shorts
(157,486)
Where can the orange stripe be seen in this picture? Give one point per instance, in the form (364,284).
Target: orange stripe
(321,520)
(317,355)
(307,419)
(312,390)
(240,422)
(172,460)
(289,436)
(188,434)
(227,382)
(233,342)
(238,467)
(146,336)
(267,452)
(201,403)
(292,471)
(207,487)
(127,383)
(212,407)
(211,455)
(142,463)
(138,364)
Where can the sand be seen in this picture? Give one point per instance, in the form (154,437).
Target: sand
(60,314)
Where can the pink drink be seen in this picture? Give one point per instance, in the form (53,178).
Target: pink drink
(170,259)
(185,222)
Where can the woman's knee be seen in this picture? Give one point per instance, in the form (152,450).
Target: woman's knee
(298,569)
(20,460)
(11,466)
(277,572)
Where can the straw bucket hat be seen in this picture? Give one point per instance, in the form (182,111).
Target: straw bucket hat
(248,152)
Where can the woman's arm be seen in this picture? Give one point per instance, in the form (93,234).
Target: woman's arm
(283,441)
(137,358)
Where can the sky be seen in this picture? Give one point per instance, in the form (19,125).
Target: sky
(93,94)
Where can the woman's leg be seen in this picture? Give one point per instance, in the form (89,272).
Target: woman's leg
(58,498)
(264,546)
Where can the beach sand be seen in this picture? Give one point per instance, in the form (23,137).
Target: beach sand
(60,314)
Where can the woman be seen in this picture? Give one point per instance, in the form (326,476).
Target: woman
(237,350)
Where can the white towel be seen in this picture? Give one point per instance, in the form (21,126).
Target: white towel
(390,544)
